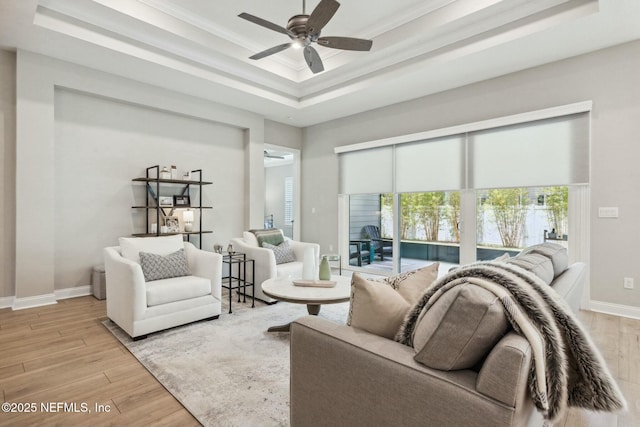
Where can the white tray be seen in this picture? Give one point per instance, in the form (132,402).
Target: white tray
(315,283)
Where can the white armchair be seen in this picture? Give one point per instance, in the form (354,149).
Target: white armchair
(141,307)
(265,261)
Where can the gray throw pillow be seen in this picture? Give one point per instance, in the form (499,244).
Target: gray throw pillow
(556,253)
(536,263)
(460,329)
(157,267)
(282,252)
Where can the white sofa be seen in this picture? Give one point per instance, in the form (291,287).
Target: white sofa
(140,307)
(265,261)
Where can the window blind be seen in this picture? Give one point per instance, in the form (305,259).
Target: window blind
(546,152)
(541,153)
(432,165)
(367,171)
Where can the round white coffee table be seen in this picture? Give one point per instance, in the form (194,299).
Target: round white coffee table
(283,289)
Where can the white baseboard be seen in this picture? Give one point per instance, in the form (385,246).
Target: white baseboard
(615,309)
(6,302)
(47,299)
(35,301)
(79,291)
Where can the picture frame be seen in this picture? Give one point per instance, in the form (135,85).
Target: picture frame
(165,201)
(181,201)
(172,223)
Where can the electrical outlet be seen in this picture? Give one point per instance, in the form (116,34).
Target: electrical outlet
(628,283)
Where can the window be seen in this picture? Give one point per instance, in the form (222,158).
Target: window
(429,229)
(508,178)
(510,219)
(288,207)
(371,231)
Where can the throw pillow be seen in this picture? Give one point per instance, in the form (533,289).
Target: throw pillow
(412,284)
(379,306)
(273,236)
(376,307)
(537,264)
(556,253)
(460,329)
(505,256)
(157,267)
(282,252)
(130,247)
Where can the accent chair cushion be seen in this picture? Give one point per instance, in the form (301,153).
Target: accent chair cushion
(130,247)
(379,306)
(250,238)
(536,263)
(556,253)
(166,291)
(157,267)
(459,329)
(282,252)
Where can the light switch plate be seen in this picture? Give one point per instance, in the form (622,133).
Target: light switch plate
(608,212)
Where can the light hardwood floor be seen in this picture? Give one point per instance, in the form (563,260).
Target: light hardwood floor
(62,353)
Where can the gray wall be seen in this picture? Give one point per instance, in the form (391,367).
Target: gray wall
(280,134)
(101,144)
(8,171)
(76,150)
(609,78)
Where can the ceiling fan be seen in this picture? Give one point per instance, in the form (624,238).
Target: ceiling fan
(271,156)
(305,29)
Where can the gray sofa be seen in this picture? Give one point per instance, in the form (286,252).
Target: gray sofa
(344,376)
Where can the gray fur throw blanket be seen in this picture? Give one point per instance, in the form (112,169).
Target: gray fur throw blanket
(567,368)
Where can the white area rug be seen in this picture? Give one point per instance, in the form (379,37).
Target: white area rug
(228,371)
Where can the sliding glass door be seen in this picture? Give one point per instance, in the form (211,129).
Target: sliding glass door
(464,197)
(429,229)
(510,219)
(371,231)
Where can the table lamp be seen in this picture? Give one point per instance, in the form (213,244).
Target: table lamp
(187,217)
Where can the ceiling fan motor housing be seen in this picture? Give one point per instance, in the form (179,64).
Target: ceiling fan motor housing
(298,25)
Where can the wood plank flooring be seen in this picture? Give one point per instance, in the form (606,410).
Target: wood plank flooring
(62,354)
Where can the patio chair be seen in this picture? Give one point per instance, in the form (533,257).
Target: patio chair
(359,250)
(380,247)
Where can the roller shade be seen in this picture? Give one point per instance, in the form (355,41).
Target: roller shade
(367,171)
(541,153)
(433,165)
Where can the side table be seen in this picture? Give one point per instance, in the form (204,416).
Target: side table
(240,260)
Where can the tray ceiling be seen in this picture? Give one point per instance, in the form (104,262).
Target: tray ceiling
(201,47)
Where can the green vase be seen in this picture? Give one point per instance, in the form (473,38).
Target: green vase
(325,269)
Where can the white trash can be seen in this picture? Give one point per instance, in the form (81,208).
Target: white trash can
(99,282)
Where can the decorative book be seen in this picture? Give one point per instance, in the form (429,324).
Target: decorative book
(315,283)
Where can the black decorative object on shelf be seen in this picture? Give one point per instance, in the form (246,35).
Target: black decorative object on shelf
(167,205)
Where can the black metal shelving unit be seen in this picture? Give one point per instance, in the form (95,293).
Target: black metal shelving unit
(153,185)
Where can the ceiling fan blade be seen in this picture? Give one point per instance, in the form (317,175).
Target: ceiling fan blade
(272,156)
(271,51)
(313,60)
(321,15)
(345,43)
(266,24)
